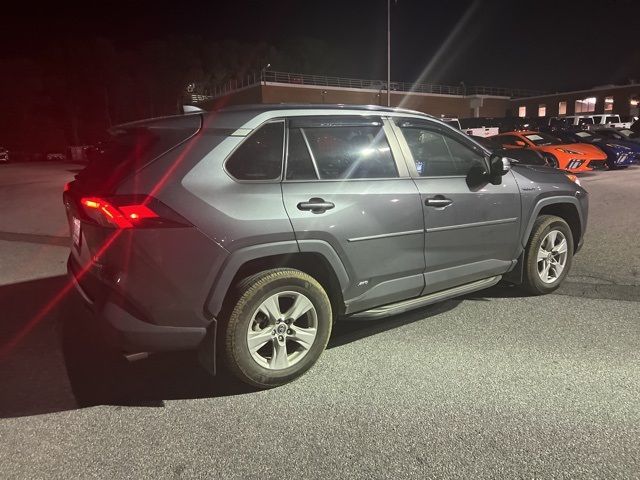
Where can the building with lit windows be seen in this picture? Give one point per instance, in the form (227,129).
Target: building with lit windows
(460,101)
(622,100)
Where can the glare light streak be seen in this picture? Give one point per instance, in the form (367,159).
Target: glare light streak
(59,296)
(445,49)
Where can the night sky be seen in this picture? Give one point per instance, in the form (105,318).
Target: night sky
(542,45)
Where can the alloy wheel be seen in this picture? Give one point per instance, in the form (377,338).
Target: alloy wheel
(282,330)
(552,256)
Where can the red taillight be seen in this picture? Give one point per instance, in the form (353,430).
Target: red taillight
(128,212)
(67,186)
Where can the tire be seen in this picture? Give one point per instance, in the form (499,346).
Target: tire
(552,160)
(534,268)
(258,301)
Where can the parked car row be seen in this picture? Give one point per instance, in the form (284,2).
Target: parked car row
(487,126)
(574,150)
(19,156)
(576,143)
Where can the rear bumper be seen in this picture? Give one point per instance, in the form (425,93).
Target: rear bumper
(128,333)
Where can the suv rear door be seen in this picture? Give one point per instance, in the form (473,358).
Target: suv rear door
(346,187)
(471,233)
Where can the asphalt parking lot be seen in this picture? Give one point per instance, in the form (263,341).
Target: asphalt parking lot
(492,385)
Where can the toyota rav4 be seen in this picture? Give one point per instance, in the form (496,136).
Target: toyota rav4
(246,233)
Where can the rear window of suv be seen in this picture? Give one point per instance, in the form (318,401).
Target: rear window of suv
(130,147)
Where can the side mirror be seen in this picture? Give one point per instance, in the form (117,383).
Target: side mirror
(498,167)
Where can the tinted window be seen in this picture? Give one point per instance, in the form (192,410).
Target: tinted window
(131,147)
(508,140)
(299,161)
(585,121)
(615,119)
(351,151)
(259,157)
(437,155)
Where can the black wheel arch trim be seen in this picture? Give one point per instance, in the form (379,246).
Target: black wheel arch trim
(238,258)
(545,202)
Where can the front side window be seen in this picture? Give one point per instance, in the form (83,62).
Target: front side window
(439,155)
(339,152)
(259,157)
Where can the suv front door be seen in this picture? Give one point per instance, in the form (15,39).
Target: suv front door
(471,233)
(345,188)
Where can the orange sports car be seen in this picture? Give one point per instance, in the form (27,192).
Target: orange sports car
(575,157)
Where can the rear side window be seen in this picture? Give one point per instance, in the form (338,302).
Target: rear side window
(131,147)
(340,152)
(259,157)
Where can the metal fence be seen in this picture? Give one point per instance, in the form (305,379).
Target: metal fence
(202,92)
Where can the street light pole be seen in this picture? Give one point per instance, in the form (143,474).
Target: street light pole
(388,53)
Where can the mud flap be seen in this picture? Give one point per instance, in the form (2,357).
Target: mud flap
(207,349)
(514,276)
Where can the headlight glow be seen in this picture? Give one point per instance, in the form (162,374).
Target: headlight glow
(573,178)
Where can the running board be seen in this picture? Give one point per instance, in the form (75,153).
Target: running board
(413,303)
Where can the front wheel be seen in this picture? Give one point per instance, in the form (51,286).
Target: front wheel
(548,255)
(278,328)
(552,160)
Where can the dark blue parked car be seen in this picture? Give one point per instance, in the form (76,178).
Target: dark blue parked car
(620,153)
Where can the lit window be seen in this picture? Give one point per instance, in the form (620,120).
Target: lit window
(542,110)
(586,105)
(634,102)
(522,111)
(562,108)
(608,104)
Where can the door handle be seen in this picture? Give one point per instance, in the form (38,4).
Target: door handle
(316,205)
(438,201)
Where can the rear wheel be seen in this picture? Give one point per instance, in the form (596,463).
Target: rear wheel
(548,255)
(277,328)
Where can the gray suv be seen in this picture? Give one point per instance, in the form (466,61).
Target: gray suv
(247,232)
